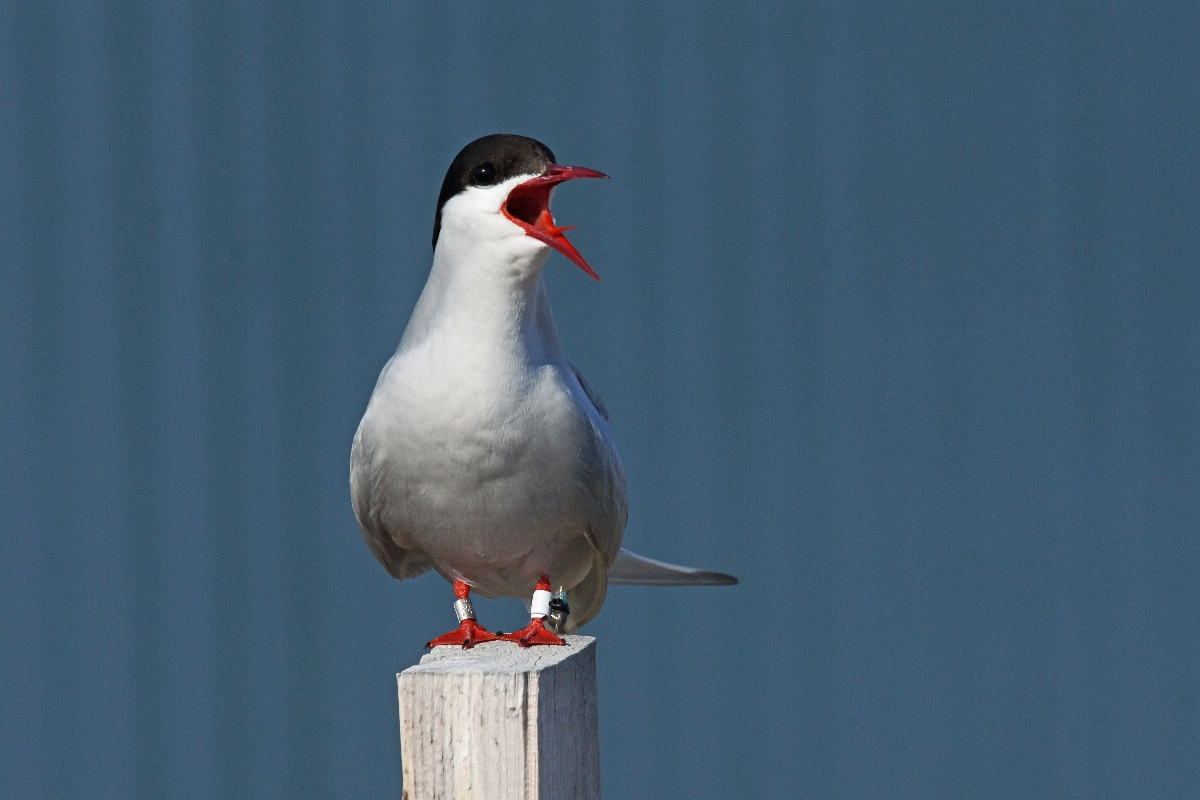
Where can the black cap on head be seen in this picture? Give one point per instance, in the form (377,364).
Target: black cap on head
(490,160)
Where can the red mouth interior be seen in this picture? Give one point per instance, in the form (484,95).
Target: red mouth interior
(528,205)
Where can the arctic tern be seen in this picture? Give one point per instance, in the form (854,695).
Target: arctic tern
(484,452)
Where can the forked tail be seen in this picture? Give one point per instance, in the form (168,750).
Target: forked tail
(630,569)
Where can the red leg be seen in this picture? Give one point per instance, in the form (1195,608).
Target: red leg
(536,633)
(469,632)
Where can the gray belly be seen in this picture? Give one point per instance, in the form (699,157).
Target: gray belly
(498,534)
(496,500)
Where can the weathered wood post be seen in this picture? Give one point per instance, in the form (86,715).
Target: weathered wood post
(501,722)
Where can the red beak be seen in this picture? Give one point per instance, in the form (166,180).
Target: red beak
(528,205)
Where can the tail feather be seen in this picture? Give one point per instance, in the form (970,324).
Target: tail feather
(630,569)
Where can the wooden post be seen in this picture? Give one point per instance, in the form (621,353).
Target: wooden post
(501,722)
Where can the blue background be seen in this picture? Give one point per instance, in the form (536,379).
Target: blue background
(899,322)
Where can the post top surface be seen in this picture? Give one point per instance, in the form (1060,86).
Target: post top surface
(500,657)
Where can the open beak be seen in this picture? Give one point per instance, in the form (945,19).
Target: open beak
(528,205)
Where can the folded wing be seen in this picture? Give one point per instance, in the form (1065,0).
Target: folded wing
(401,562)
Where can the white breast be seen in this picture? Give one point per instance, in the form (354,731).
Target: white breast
(477,437)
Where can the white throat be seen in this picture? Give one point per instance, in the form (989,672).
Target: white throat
(485,285)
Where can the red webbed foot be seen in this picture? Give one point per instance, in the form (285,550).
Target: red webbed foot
(469,633)
(535,634)
(539,608)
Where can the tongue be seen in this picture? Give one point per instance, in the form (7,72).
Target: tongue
(548,232)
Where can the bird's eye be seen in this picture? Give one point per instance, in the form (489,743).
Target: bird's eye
(483,175)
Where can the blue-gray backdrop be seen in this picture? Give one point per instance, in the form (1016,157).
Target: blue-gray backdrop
(899,322)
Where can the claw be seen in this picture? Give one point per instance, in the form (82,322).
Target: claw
(469,633)
(535,634)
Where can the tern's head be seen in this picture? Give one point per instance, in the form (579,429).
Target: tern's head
(497,194)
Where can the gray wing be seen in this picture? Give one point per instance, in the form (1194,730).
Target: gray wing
(604,478)
(630,569)
(588,389)
(401,562)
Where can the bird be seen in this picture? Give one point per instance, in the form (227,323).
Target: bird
(484,452)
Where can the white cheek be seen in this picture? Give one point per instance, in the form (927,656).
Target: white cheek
(477,206)
(474,219)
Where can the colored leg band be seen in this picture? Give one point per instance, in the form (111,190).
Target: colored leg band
(540,607)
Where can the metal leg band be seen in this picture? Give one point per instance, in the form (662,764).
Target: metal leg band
(463,609)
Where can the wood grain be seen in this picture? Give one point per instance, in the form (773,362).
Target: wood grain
(499,722)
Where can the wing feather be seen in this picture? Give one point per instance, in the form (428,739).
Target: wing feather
(588,389)
(602,474)
(401,562)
